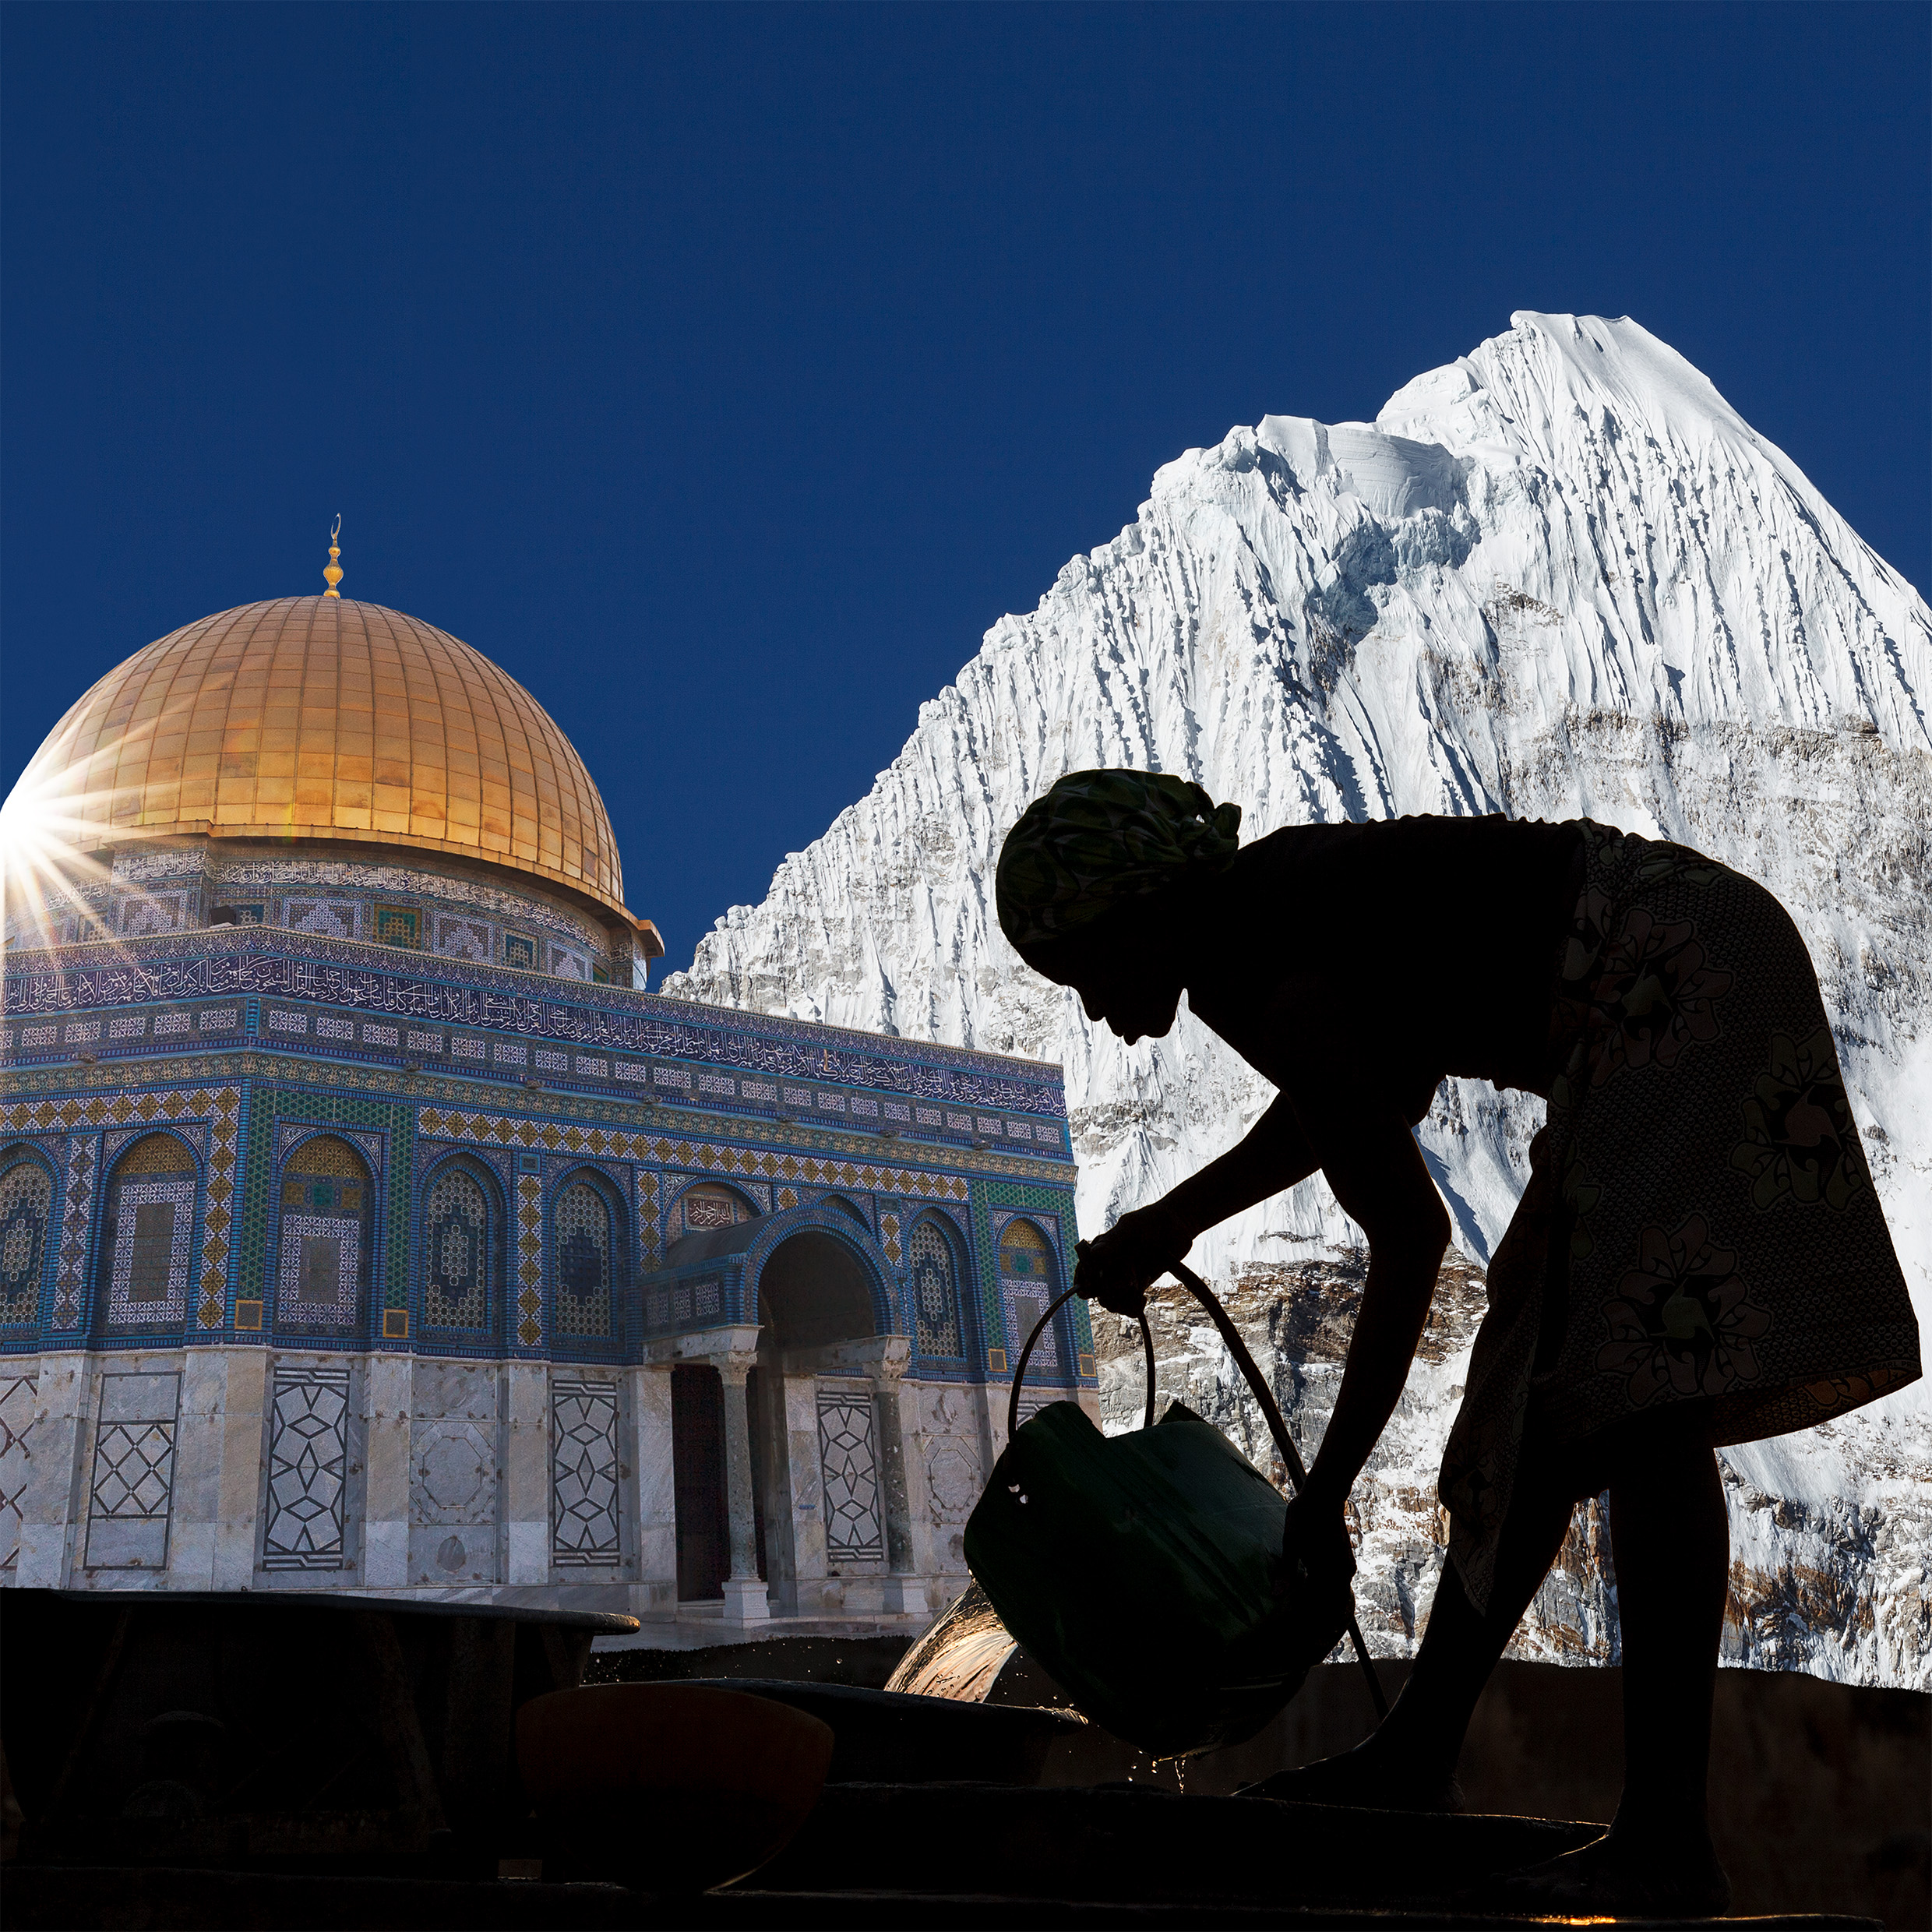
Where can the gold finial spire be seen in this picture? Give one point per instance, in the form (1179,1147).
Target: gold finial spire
(332,573)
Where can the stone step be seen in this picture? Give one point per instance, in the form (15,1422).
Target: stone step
(1142,1845)
(53,1899)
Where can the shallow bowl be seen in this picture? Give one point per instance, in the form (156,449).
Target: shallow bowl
(671,1788)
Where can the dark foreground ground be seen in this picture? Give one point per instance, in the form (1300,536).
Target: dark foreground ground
(1820,1793)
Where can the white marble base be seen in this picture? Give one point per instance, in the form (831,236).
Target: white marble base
(906,1596)
(746,1601)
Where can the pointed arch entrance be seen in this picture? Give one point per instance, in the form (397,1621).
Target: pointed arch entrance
(828,1450)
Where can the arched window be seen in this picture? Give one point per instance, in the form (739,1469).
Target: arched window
(26,1203)
(709,1205)
(1027,1286)
(146,1234)
(841,1205)
(458,1257)
(935,1290)
(328,1233)
(585,1234)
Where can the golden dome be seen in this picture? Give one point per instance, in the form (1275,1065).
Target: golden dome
(322,717)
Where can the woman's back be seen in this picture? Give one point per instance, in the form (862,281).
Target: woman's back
(1436,940)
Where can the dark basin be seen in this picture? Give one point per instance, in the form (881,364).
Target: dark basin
(273,1727)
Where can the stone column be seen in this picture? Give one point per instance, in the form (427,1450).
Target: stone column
(526,1471)
(219,1443)
(386,1398)
(655,1488)
(54,1500)
(800,1422)
(905,1589)
(746,1598)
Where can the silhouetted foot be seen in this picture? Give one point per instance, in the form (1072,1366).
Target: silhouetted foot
(1627,1871)
(1375,1780)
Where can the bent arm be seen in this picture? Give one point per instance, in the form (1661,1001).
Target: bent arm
(1116,1267)
(1382,1182)
(1272,1156)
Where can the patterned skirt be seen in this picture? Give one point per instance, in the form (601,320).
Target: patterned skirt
(1700,1223)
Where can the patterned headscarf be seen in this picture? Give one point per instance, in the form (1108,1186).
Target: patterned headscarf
(1099,839)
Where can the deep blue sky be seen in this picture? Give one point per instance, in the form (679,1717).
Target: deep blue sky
(724,373)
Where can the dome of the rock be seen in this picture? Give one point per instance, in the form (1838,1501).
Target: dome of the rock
(321,717)
(342,1136)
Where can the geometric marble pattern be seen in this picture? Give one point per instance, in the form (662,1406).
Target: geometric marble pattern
(307,1463)
(132,1487)
(851,1476)
(583,1474)
(16,1419)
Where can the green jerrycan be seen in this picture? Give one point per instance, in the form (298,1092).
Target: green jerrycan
(1144,1573)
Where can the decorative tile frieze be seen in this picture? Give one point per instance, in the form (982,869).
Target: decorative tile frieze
(530,1260)
(287,1133)
(255,961)
(710,1157)
(650,1228)
(326,918)
(70,1277)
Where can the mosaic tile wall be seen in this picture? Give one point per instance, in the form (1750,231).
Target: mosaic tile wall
(246,1047)
(671,1049)
(1051,1209)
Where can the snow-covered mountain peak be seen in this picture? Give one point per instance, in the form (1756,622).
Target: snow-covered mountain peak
(1559,574)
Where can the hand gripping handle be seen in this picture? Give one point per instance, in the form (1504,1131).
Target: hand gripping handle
(1270,1411)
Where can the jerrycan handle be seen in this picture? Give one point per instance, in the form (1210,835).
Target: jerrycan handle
(1271,1410)
(1026,1356)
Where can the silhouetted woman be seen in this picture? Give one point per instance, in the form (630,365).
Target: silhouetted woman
(1698,1259)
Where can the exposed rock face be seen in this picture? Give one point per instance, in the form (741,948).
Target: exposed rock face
(1559,576)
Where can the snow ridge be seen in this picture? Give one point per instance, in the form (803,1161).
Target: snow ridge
(1559,576)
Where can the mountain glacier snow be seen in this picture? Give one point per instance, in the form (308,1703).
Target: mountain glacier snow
(1558,577)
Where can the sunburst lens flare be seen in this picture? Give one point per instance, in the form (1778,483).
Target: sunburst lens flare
(45,871)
